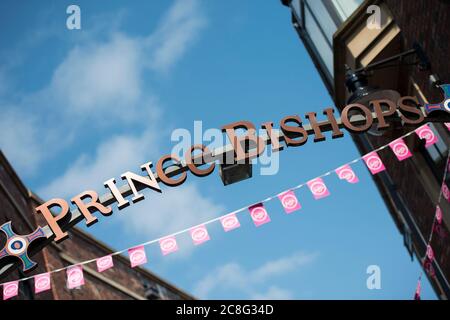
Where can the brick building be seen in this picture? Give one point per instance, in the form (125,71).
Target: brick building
(17,204)
(337,33)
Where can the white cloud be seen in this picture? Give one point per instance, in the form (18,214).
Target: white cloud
(273,293)
(22,141)
(160,213)
(103,81)
(118,154)
(176,31)
(173,210)
(228,276)
(282,265)
(18,132)
(105,78)
(99,78)
(97,85)
(232,276)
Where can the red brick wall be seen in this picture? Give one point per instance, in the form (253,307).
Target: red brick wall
(82,247)
(18,211)
(427,22)
(79,247)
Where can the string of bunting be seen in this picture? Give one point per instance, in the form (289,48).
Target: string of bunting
(258,213)
(436,227)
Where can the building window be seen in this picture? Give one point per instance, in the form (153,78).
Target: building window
(319,40)
(152,291)
(436,155)
(317,21)
(323,18)
(407,240)
(345,8)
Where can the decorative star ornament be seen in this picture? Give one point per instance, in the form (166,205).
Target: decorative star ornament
(17,245)
(444,105)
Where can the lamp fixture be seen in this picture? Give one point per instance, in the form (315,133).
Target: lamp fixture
(360,90)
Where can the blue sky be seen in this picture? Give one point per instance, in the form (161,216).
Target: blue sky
(81,106)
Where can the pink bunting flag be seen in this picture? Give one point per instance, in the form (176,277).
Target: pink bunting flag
(400,149)
(318,188)
(438,214)
(199,234)
(42,282)
(373,162)
(289,201)
(10,289)
(230,222)
(428,262)
(438,228)
(430,253)
(168,245)
(428,266)
(259,214)
(104,263)
(346,173)
(447,124)
(137,256)
(417,293)
(426,133)
(445,192)
(75,277)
